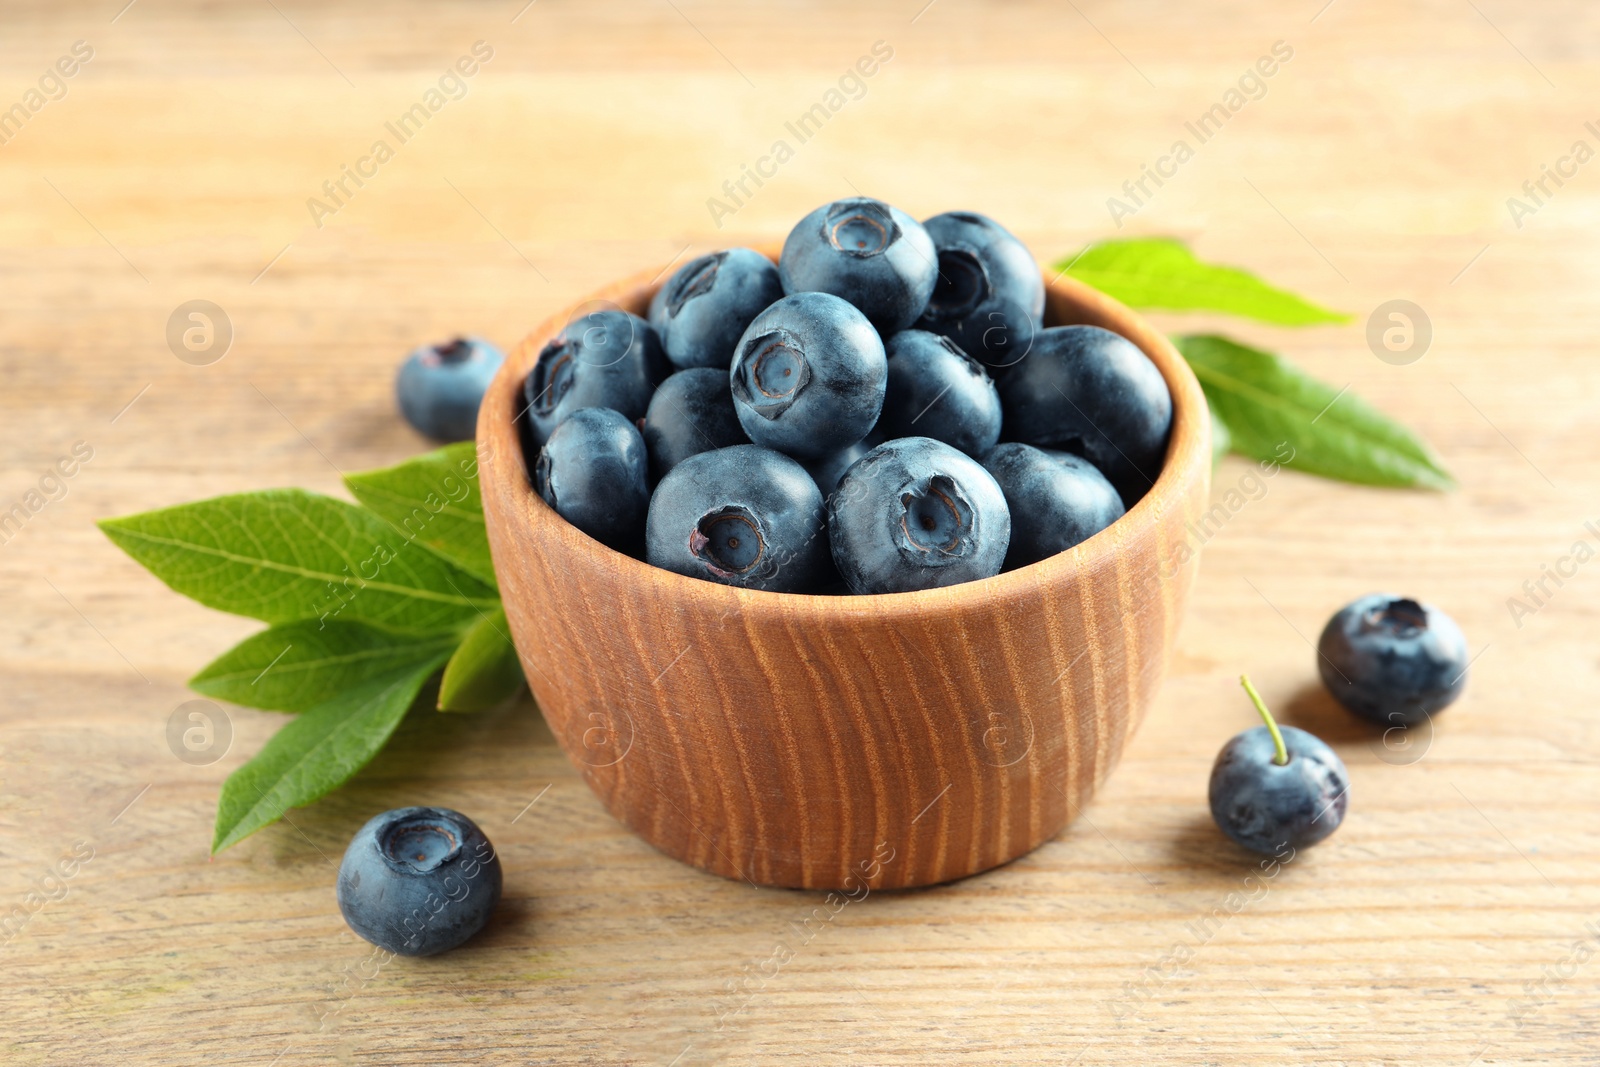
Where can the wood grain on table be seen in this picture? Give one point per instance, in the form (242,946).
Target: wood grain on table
(1454,919)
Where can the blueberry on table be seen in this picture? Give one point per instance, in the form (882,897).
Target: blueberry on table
(989,298)
(691,412)
(594,471)
(704,308)
(605,359)
(1091,392)
(915,513)
(1392,660)
(1056,499)
(808,376)
(875,256)
(1274,787)
(936,390)
(418,881)
(745,516)
(440,387)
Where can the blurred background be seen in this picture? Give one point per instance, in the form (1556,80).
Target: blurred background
(158,153)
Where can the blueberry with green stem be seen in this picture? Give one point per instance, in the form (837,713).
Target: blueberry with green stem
(1273,787)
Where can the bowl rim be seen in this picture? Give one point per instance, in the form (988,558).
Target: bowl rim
(1188,444)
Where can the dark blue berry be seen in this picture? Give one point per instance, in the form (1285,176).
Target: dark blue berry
(1091,392)
(875,256)
(703,309)
(990,295)
(1267,806)
(594,471)
(692,412)
(605,359)
(744,516)
(808,376)
(827,471)
(440,387)
(1393,660)
(1056,499)
(417,881)
(915,513)
(936,390)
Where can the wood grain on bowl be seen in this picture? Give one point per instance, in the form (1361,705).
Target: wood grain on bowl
(847,741)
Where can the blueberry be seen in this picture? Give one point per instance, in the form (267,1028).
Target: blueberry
(808,376)
(703,309)
(744,516)
(990,294)
(440,387)
(1091,392)
(594,471)
(1393,660)
(1268,797)
(605,359)
(936,390)
(915,513)
(1056,500)
(692,412)
(828,470)
(418,881)
(873,255)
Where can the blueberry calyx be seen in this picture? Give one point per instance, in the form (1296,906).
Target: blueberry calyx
(728,541)
(937,519)
(1282,753)
(420,844)
(553,374)
(1399,618)
(963,285)
(696,281)
(456,351)
(774,379)
(860,228)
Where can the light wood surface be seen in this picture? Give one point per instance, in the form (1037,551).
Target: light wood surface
(1445,921)
(846,743)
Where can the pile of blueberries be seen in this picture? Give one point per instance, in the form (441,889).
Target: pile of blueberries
(880,411)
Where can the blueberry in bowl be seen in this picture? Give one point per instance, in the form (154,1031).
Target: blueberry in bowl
(989,298)
(744,516)
(915,513)
(808,376)
(936,390)
(875,256)
(594,471)
(1057,500)
(1093,393)
(440,386)
(704,308)
(691,412)
(604,359)
(1393,660)
(419,881)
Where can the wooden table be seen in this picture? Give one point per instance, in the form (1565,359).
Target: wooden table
(1454,916)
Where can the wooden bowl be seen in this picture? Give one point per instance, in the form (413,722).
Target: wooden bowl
(842,742)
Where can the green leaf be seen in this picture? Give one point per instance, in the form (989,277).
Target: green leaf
(433,500)
(299,665)
(316,752)
(1276,412)
(484,671)
(285,555)
(1221,436)
(1160,272)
